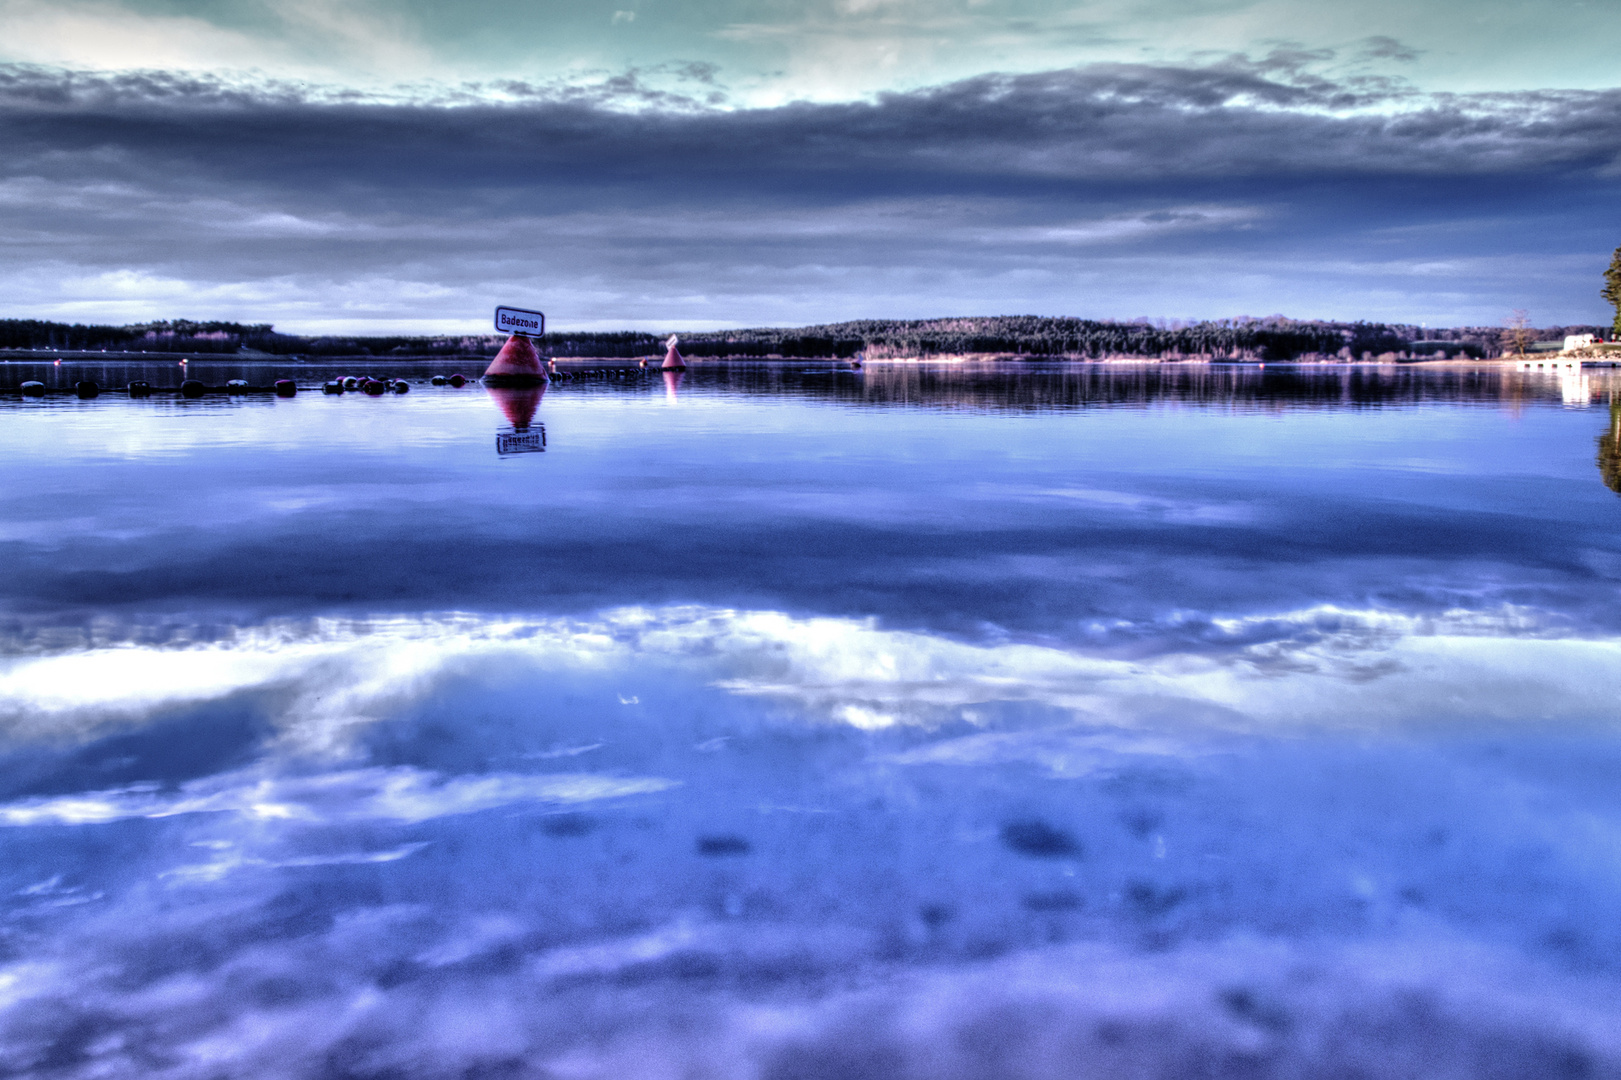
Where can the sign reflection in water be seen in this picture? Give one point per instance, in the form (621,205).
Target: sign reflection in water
(995,722)
(518,405)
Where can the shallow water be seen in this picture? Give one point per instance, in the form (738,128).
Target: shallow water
(784,721)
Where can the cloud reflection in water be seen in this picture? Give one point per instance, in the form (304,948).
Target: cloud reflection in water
(375,882)
(1019,758)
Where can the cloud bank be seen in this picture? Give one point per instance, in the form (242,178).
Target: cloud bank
(1110,190)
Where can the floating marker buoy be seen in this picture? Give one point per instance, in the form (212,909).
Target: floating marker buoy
(332,388)
(439,380)
(372,388)
(236,386)
(517,364)
(401,386)
(86,390)
(191,388)
(286,388)
(140,389)
(672,358)
(350,382)
(457,379)
(33,388)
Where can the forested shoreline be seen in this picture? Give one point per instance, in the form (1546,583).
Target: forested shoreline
(1275,338)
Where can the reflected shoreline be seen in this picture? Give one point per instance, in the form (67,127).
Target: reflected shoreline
(1002,385)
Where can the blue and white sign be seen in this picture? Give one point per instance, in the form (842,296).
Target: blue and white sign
(511,320)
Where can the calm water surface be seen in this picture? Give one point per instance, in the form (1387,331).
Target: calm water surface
(790,722)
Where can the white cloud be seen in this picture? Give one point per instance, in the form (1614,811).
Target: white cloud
(402,794)
(1322,668)
(110,36)
(353,43)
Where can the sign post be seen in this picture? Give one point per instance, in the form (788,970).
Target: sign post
(517,364)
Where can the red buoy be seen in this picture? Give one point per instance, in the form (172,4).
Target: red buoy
(672,359)
(517,364)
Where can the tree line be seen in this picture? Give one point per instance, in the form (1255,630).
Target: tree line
(1275,338)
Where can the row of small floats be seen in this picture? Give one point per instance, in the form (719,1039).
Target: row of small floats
(371,387)
(368,385)
(85,389)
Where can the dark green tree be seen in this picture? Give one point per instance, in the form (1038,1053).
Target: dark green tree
(1609,450)
(1612,289)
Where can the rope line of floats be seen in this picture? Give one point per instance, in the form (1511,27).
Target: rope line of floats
(87,389)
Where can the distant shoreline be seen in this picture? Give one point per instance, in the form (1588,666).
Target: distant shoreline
(1275,339)
(24,356)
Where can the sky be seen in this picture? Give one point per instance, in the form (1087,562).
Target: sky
(367,167)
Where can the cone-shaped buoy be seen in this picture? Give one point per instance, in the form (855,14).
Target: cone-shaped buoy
(517,364)
(672,359)
(518,403)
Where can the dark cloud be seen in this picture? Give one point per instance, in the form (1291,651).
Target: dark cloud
(620,197)
(1239,117)
(1383,47)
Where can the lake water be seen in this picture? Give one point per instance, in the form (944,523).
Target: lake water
(789,722)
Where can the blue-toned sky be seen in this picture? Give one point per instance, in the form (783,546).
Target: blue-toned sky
(369,166)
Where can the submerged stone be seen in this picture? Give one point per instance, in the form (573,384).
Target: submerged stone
(1039,840)
(722,845)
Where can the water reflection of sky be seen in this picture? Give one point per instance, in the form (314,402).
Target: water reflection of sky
(807,723)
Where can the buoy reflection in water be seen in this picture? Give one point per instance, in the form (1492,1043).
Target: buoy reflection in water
(518,405)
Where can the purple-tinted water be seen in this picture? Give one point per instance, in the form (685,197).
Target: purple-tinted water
(791,722)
